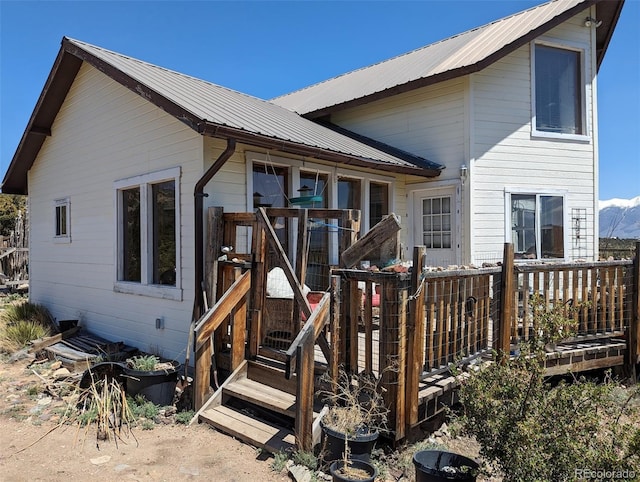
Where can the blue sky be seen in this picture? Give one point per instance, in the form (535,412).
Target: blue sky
(268,48)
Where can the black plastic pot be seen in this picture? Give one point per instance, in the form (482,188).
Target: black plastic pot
(360,465)
(157,386)
(360,444)
(442,466)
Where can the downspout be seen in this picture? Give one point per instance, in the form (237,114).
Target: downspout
(198,200)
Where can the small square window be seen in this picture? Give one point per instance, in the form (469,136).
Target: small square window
(62,220)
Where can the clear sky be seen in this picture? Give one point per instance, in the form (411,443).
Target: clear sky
(268,48)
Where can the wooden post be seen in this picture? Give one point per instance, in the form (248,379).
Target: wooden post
(215,228)
(415,336)
(258,284)
(633,350)
(506,302)
(301,262)
(304,395)
(202,382)
(337,355)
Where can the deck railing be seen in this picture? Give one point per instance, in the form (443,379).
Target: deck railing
(600,292)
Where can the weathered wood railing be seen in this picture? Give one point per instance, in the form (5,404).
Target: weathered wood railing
(232,303)
(302,352)
(599,290)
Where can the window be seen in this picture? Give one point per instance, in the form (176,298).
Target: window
(270,185)
(148,233)
(558,90)
(378,202)
(348,193)
(436,222)
(537,226)
(62,221)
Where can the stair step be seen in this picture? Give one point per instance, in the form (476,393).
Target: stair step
(256,432)
(263,396)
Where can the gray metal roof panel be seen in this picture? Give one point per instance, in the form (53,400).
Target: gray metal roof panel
(463,50)
(226,107)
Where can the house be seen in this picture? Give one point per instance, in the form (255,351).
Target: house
(486,137)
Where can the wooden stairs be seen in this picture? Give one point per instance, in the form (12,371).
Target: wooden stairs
(257,405)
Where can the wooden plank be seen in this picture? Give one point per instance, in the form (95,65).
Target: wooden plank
(377,235)
(368,327)
(215,228)
(633,349)
(415,337)
(216,398)
(334,329)
(593,364)
(258,433)
(258,291)
(51,340)
(355,302)
(263,395)
(304,395)
(239,334)
(506,287)
(218,313)
(272,377)
(202,379)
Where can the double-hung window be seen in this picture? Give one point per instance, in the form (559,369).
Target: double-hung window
(62,231)
(149,234)
(537,226)
(559,91)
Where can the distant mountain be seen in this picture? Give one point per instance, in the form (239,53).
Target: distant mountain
(620,218)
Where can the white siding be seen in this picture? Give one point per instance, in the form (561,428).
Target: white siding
(103,133)
(506,155)
(428,122)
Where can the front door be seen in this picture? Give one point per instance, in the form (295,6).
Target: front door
(435,225)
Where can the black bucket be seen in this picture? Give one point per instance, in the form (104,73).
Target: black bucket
(158,386)
(360,444)
(441,466)
(360,465)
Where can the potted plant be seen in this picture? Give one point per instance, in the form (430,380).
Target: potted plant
(151,377)
(355,417)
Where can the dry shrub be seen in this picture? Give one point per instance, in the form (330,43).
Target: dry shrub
(22,322)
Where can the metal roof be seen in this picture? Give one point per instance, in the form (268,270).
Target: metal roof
(461,54)
(209,109)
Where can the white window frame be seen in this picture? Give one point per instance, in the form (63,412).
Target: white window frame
(333,173)
(566,228)
(63,203)
(146,287)
(586,127)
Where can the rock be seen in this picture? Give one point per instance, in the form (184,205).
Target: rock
(56,364)
(100,460)
(61,373)
(121,467)
(44,401)
(189,471)
(300,473)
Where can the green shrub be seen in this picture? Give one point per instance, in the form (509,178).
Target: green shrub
(144,363)
(531,429)
(26,312)
(142,408)
(279,461)
(17,335)
(184,417)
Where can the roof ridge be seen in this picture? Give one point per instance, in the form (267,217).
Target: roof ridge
(83,44)
(418,49)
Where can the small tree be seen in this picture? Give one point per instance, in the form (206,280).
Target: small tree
(530,429)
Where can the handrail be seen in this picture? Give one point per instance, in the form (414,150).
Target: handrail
(312,328)
(212,319)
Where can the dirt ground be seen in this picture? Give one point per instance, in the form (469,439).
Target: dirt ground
(34,446)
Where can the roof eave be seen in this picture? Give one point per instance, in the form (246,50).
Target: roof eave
(290,147)
(64,71)
(38,128)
